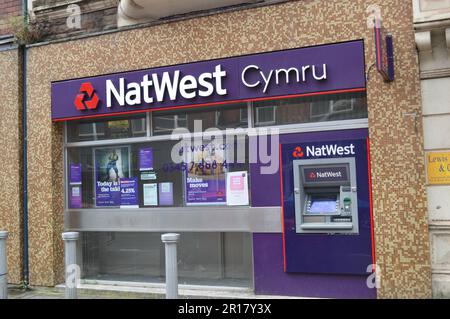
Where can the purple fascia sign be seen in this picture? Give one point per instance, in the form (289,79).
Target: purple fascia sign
(330,68)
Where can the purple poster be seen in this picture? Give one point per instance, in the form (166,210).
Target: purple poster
(75,174)
(165,194)
(205,179)
(206,190)
(75,199)
(129,193)
(107,194)
(146,159)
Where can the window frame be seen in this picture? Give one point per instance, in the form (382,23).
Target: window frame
(249,130)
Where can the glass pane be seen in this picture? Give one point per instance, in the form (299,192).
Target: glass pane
(311,109)
(223,259)
(221,117)
(128,176)
(144,174)
(122,127)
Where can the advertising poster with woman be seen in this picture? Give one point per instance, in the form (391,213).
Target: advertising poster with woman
(111,164)
(205,176)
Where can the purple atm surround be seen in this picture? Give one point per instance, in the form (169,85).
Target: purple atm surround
(269,264)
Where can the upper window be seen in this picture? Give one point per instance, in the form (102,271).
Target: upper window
(310,109)
(110,128)
(222,117)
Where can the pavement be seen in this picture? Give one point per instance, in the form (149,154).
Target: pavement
(58,293)
(100,291)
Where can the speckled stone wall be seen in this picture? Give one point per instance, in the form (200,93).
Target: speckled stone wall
(401,231)
(10,159)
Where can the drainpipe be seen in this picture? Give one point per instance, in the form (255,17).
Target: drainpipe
(25,275)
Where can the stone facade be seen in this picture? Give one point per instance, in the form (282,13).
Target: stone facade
(399,197)
(8,9)
(11,159)
(432,25)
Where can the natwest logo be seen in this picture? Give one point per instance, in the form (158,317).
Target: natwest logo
(87,99)
(298,152)
(312,175)
(330,150)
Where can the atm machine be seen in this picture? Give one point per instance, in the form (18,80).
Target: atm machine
(325,193)
(326,203)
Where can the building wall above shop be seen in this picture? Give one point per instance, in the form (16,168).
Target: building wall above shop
(8,10)
(59,19)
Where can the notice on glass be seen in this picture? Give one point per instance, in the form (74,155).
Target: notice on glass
(205,178)
(146,159)
(129,193)
(75,174)
(150,194)
(237,189)
(166,194)
(75,199)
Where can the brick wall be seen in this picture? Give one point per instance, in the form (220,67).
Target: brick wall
(8,9)
(57,18)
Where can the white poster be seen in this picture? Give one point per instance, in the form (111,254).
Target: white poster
(237,189)
(150,194)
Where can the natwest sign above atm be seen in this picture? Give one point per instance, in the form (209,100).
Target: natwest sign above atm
(323,69)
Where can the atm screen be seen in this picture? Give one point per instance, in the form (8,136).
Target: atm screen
(323,204)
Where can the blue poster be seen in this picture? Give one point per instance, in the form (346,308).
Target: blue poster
(129,193)
(112,165)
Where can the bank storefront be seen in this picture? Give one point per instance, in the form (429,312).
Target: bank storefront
(259,161)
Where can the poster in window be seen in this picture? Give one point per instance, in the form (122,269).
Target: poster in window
(205,178)
(111,164)
(75,199)
(165,192)
(75,174)
(129,193)
(150,194)
(237,189)
(75,194)
(146,159)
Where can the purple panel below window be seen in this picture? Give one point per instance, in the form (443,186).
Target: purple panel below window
(270,279)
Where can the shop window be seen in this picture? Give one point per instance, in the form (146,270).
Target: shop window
(266,115)
(144,175)
(310,109)
(164,124)
(228,116)
(223,259)
(111,128)
(142,172)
